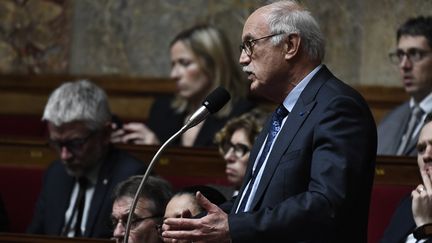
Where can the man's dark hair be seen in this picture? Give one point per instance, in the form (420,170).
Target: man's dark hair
(212,194)
(418,26)
(156,189)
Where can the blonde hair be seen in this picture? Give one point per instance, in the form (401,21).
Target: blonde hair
(216,59)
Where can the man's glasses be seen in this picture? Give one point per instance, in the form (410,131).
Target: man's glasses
(247,45)
(135,221)
(413,54)
(73,145)
(238,149)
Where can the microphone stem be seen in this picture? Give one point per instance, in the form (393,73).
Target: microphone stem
(146,175)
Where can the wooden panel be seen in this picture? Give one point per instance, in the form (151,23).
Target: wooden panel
(175,161)
(131,97)
(27,238)
(397,170)
(382,99)
(190,162)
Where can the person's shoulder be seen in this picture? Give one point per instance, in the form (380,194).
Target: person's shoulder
(396,112)
(126,163)
(55,168)
(162,101)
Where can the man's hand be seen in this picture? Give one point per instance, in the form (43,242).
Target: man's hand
(211,228)
(134,133)
(422,199)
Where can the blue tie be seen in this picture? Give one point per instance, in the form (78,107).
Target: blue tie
(276,122)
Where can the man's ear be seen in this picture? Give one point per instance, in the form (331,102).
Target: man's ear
(291,45)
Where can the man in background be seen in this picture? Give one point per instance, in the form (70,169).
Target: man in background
(148,213)
(398,131)
(412,220)
(76,193)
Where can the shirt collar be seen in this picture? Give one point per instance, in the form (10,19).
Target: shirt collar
(425,104)
(293,96)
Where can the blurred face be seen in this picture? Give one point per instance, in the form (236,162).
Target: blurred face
(236,156)
(143,224)
(79,148)
(192,83)
(424,147)
(416,76)
(180,203)
(265,66)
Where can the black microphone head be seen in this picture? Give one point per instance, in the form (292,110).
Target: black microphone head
(217,99)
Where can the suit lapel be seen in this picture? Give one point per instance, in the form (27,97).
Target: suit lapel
(295,120)
(57,219)
(292,125)
(100,193)
(253,156)
(397,138)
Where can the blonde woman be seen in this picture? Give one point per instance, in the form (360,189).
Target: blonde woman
(201,60)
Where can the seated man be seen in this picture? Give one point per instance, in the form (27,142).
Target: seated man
(75,198)
(412,221)
(148,213)
(398,131)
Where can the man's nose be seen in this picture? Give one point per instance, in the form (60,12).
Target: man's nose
(427,156)
(65,153)
(119,230)
(244,59)
(405,63)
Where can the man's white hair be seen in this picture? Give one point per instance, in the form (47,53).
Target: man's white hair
(78,101)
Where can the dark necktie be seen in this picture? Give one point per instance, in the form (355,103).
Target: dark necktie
(276,122)
(80,203)
(416,116)
(78,209)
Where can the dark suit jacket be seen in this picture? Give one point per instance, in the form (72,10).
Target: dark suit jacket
(402,223)
(317,182)
(164,121)
(392,128)
(57,187)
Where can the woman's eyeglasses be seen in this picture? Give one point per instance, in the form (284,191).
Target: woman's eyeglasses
(238,149)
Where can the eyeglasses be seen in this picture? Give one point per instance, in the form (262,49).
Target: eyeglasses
(73,145)
(413,54)
(239,149)
(247,45)
(135,221)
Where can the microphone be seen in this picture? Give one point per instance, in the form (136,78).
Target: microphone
(212,103)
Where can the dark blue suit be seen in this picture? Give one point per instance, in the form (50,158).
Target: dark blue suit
(57,187)
(317,182)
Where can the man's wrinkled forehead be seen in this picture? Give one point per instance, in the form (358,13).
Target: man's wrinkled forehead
(256,24)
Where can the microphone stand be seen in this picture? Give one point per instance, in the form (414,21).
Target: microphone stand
(149,168)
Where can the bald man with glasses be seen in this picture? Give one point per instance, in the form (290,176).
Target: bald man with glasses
(398,132)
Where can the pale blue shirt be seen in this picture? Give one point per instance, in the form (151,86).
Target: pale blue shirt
(288,103)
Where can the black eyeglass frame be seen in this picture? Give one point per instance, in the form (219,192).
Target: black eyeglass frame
(73,145)
(239,149)
(247,45)
(134,222)
(413,54)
